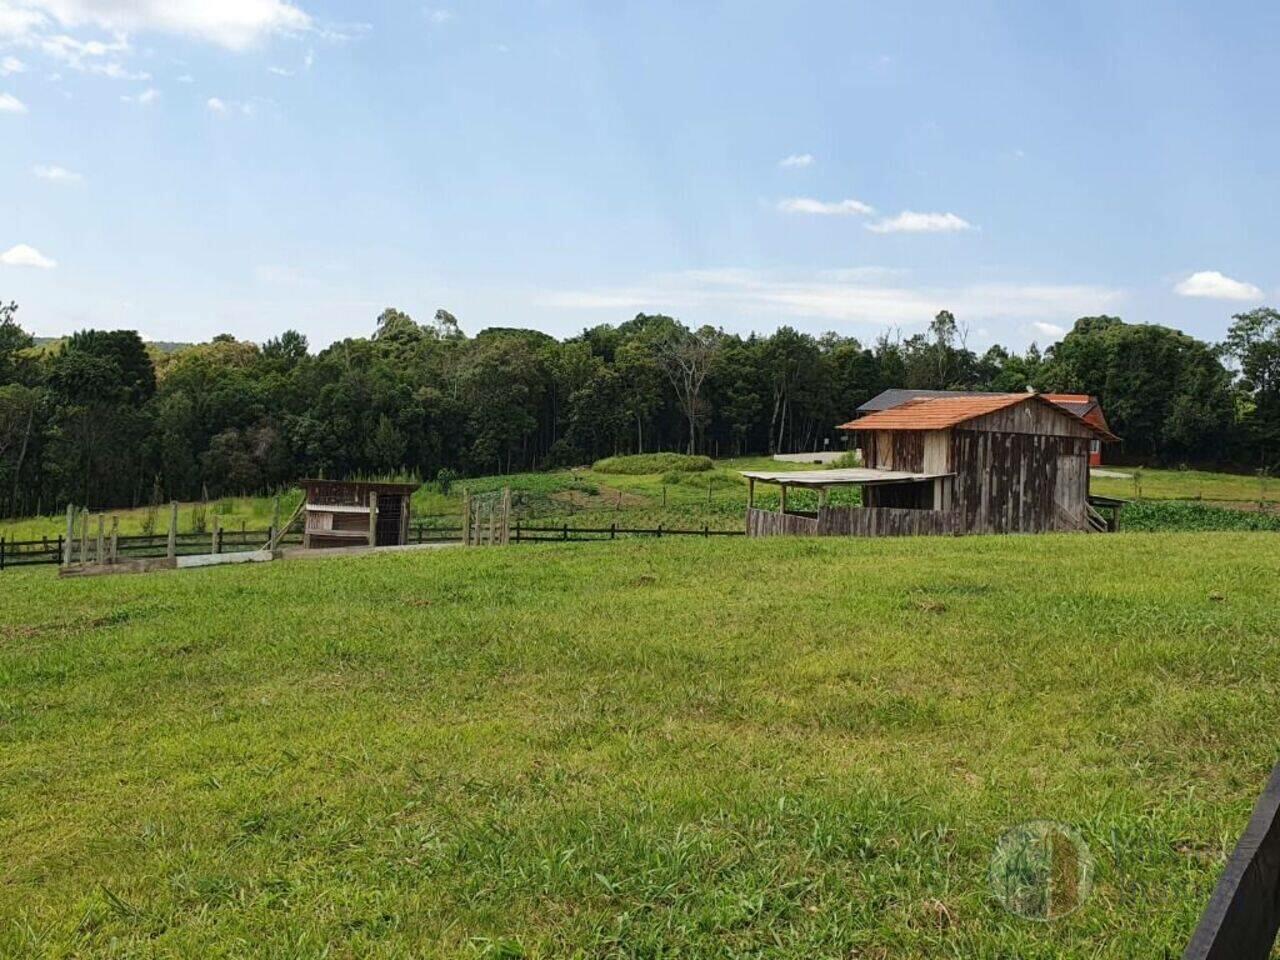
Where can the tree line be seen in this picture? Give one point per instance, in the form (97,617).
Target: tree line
(105,420)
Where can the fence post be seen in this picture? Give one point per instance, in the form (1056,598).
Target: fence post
(97,556)
(706,530)
(67,545)
(173,530)
(115,540)
(1,553)
(60,542)
(613,530)
(566,532)
(84,536)
(216,544)
(517,530)
(506,515)
(466,517)
(659,531)
(373,519)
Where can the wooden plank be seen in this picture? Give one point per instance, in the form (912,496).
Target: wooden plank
(1243,915)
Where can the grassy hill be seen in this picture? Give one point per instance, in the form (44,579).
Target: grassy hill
(792,748)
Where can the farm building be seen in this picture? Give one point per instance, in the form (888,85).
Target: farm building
(1081,404)
(349,513)
(974,463)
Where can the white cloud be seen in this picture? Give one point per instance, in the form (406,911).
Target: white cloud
(826,208)
(908,221)
(246,107)
(309,60)
(1050,329)
(797,160)
(11,104)
(438,15)
(11,65)
(1215,286)
(216,104)
(25,256)
(56,174)
(145,98)
(864,295)
(234,24)
(280,71)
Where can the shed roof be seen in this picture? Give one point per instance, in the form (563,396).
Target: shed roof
(941,413)
(837,478)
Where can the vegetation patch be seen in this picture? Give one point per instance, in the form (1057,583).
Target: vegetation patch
(1153,515)
(643,463)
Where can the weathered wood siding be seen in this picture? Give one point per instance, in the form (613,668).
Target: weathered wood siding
(1042,419)
(1015,482)
(894,450)
(770,523)
(885,522)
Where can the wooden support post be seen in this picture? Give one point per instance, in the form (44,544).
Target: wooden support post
(506,515)
(98,554)
(84,536)
(1,553)
(216,546)
(751,492)
(466,518)
(172,552)
(275,519)
(68,545)
(782,499)
(492,523)
(373,519)
(115,540)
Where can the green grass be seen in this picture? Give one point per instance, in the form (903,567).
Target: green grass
(1144,483)
(652,463)
(789,748)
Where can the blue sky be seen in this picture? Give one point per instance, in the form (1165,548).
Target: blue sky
(191,167)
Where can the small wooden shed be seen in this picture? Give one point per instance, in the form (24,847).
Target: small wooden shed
(351,513)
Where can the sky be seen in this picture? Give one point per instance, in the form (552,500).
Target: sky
(194,167)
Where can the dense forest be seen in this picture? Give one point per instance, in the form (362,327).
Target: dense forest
(103,419)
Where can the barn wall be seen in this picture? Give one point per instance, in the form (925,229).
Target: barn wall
(894,450)
(1015,482)
(1042,419)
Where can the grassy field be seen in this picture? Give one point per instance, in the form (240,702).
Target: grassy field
(1147,484)
(788,748)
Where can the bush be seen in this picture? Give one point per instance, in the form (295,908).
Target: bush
(850,458)
(445,479)
(642,463)
(1179,515)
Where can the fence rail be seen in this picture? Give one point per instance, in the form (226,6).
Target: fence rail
(520,533)
(49,550)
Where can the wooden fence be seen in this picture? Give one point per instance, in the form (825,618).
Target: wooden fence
(1243,915)
(564,533)
(50,550)
(770,523)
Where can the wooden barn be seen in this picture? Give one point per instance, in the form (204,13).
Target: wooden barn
(973,463)
(350,513)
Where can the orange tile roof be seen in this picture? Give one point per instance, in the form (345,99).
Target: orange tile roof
(940,413)
(935,413)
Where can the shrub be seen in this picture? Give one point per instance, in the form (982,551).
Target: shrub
(1179,515)
(643,463)
(850,458)
(445,480)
